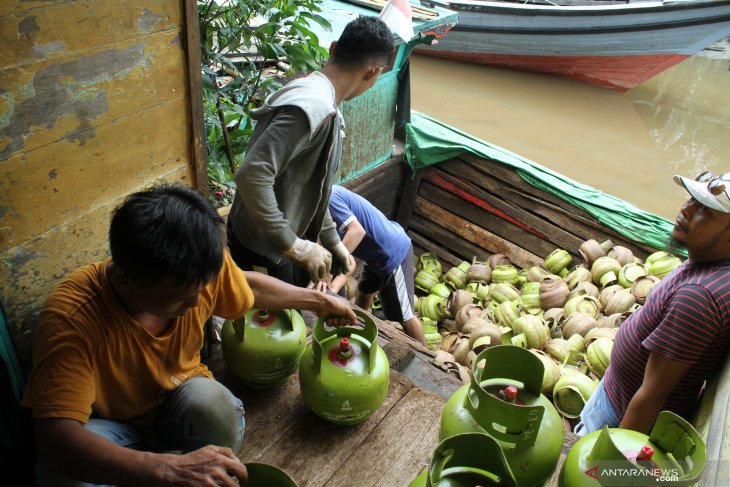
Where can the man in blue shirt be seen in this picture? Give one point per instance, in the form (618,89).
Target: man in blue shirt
(386,252)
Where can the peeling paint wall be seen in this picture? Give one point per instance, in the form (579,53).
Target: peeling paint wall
(369,117)
(94,105)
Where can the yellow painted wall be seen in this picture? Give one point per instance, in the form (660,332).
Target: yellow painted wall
(93,105)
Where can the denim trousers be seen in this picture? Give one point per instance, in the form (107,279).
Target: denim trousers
(597,413)
(200,412)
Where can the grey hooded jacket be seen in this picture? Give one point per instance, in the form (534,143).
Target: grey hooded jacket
(285,180)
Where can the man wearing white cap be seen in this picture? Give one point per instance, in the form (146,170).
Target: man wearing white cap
(665,351)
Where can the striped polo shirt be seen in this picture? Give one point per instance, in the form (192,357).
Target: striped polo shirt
(685,318)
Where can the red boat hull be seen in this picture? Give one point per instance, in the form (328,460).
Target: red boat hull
(617,72)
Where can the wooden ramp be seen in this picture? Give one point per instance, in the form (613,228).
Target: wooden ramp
(389,449)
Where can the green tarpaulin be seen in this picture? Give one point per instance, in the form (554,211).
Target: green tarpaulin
(429,141)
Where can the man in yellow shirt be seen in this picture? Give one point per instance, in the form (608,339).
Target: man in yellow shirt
(117,376)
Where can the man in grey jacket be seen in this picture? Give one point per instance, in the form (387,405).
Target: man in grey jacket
(280,210)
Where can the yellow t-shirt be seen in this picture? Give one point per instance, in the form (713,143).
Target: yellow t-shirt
(90,356)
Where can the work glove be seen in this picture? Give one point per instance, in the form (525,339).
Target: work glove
(340,259)
(311,256)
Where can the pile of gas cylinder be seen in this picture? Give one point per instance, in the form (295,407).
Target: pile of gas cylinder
(536,342)
(566,313)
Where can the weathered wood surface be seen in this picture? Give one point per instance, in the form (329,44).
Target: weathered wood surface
(370,122)
(426,245)
(389,449)
(195,92)
(471,232)
(383,186)
(712,420)
(469,207)
(434,232)
(59,183)
(38,30)
(581,222)
(282,431)
(95,105)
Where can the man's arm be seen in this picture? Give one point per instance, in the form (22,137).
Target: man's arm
(354,233)
(275,294)
(64,445)
(661,376)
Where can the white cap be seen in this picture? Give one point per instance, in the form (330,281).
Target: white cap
(700,192)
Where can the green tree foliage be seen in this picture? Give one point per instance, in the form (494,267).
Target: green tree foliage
(249,49)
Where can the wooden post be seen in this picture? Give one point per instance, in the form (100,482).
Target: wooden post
(195,86)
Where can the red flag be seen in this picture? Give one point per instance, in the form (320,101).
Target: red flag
(397,15)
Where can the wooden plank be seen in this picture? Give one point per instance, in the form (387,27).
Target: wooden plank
(569,440)
(712,420)
(453,185)
(509,175)
(315,449)
(417,12)
(536,199)
(522,196)
(410,190)
(586,225)
(461,248)
(195,95)
(472,233)
(558,235)
(381,186)
(68,98)
(68,180)
(434,248)
(483,219)
(269,413)
(399,448)
(32,31)
(30,271)
(391,333)
(429,377)
(369,125)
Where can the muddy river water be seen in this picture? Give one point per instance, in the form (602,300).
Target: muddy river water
(628,144)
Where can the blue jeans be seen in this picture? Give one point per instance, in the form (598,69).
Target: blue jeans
(597,413)
(200,412)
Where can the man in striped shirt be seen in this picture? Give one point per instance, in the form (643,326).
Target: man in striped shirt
(665,351)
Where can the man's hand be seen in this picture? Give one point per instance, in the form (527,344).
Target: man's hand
(210,465)
(311,256)
(338,311)
(341,260)
(64,445)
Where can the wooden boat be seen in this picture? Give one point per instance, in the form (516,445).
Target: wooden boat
(611,44)
(466,205)
(470,204)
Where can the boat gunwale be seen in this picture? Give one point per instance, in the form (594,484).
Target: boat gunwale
(591,30)
(643,8)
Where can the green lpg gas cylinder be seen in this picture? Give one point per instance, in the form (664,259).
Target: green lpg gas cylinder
(672,454)
(344,373)
(263,348)
(466,460)
(263,475)
(503,400)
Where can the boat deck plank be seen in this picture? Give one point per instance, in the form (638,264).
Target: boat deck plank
(399,448)
(282,431)
(270,415)
(388,450)
(314,449)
